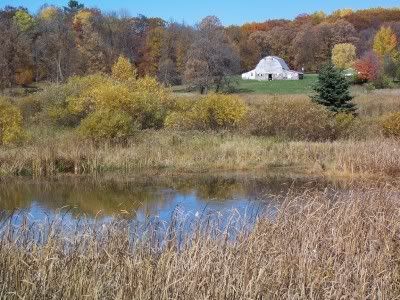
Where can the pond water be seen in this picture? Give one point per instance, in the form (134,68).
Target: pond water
(141,199)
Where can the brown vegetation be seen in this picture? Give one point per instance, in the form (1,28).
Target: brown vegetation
(317,246)
(276,132)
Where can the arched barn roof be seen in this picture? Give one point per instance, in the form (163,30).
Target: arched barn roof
(272,64)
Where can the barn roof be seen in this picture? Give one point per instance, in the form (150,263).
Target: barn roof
(275,60)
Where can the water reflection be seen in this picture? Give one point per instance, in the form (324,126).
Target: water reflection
(142,198)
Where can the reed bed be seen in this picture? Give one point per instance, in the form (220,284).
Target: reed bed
(194,152)
(319,245)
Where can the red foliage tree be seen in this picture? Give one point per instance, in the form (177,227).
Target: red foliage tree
(368,67)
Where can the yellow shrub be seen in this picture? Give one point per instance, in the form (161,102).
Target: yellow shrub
(145,101)
(123,70)
(107,124)
(214,111)
(11,130)
(391,125)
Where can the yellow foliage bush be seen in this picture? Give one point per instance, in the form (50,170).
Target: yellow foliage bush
(107,124)
(11,130)
(391,125)
(145,101)
(123,70)
(214,111)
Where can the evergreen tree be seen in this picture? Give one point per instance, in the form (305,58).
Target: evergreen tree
(332,90)
(73,6)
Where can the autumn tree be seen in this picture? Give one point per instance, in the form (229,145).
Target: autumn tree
(15,48)
(24,20)
(56,55)
(123,69)
(343,55)
(153,51)
(385,42)
(314,44)
(249,51)
(368,67)
(212,57)
(90,42)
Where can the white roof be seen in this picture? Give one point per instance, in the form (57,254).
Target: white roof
(272,64)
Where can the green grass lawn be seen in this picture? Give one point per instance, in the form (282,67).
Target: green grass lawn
(278,86)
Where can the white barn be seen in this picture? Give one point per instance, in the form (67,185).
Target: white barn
(272,68)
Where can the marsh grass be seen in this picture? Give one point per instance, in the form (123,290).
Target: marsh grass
(361,149)
(176,152)
(319,245)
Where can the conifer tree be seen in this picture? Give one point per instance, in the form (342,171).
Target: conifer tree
(332,90)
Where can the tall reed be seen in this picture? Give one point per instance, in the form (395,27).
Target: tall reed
(319,245)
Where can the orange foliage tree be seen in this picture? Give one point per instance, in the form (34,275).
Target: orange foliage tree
(368,67)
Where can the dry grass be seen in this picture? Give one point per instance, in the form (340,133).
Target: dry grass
(371,104)
(361,149)
(194,152)
(318,246)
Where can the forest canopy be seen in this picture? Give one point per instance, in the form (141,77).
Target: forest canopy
(60,42)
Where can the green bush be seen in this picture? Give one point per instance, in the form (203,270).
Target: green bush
(391,125)
(11,130)
(214,112)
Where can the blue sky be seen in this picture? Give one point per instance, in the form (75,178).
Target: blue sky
(229,11)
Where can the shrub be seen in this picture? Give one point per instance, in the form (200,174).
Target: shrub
(54,99)
(391,125)
(145,100)
(344,124)
(11,130)
(214,111)
(293,119)
(30,106)
(143,103)
(107,124)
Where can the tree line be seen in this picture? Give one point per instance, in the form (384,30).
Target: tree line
(59,42)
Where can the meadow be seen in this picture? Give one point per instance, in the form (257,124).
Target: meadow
(278,87)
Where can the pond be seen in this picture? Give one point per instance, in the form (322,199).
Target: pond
(140,199)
